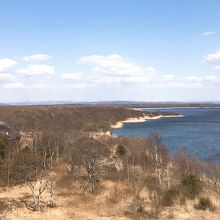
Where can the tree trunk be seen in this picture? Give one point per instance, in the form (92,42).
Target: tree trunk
(157,165)
(51,160)
(8,170)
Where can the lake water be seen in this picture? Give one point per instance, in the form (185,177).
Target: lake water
(198,131)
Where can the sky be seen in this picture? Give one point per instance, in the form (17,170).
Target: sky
(105,50)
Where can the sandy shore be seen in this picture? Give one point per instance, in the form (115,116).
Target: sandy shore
(143,119)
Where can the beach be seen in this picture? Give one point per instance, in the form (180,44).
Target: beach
(143,119)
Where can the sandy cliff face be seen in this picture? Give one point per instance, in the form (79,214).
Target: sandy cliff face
(26,140)
(143,119)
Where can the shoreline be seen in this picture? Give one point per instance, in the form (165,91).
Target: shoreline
(177,107)
(120,124)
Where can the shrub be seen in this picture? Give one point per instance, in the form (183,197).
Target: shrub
(192,186)
(25,166)
(189,188)
(4,145)
(135,209)
(4,207)
(120,151)
(205,203)
(171,196)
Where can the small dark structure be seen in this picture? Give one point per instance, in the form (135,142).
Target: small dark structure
(6,130)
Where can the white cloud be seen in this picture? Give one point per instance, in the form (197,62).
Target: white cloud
(208,33)
(77,86)
(216,67)
(213,57)
(168,77)
(36,57)
(6,77)
(34,70)
(116,65)
(38,86)
(73,76)
(23,86)
(116,70)
(15,85)
(189,81)
(6,63)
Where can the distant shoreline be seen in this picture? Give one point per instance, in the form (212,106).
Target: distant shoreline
(131,104)
(120,124)
(140,109)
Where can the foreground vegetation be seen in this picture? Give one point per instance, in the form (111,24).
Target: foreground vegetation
(65,170)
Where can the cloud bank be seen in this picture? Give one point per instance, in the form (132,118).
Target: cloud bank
(106,73)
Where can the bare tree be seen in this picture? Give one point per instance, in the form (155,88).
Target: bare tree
(28,168)
(159,154)
(89,154)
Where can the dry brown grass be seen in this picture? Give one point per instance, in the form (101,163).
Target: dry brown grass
(110,202)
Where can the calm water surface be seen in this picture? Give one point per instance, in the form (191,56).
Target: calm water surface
(198,131)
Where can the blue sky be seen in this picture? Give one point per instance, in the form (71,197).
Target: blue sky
(98,50)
